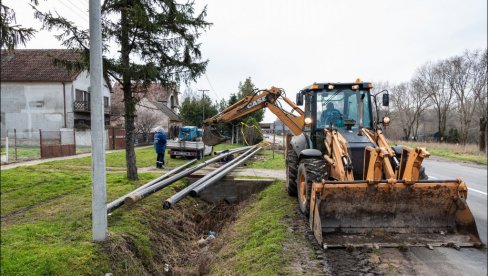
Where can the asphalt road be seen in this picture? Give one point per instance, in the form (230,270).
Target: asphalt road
(448,261)
(474,176)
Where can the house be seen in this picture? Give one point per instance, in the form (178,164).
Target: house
(36,94)
(157,107)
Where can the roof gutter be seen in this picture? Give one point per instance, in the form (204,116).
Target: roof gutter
(64,102)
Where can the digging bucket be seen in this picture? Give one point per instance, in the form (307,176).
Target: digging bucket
(212,137)
(391,213)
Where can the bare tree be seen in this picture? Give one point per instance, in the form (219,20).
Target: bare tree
(461,76)
(145,122)
(479,86)
(409,103)
(431,79)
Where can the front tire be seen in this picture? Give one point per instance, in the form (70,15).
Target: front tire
(291,171)
(309,171)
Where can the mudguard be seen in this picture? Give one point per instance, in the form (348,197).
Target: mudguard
(300,142)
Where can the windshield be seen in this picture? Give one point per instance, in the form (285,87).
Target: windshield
(339,106)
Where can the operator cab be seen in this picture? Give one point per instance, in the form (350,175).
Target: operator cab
(337,105)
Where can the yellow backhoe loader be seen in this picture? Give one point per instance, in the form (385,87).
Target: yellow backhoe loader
(356,189)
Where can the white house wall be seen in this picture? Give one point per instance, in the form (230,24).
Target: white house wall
(32,106)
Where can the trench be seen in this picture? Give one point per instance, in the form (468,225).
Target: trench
(178,242)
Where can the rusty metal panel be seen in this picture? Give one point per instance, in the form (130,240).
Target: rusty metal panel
(116,138)
(49,151)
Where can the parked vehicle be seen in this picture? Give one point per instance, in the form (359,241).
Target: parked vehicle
(188,144)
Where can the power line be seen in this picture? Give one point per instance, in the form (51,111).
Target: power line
(76,12)
(83,9)
(211,86)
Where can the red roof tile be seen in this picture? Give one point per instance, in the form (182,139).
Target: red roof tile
(37,65)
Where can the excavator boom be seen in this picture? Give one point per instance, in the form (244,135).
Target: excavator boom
(264,98)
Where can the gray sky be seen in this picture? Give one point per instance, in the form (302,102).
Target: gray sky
(291,43)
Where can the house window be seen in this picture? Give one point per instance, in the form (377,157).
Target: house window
(172,101)
(82,96)
(105,101)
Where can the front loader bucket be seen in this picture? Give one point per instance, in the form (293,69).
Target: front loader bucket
(425,213)
(212,137)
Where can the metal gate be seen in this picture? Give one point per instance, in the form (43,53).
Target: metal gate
(57,143)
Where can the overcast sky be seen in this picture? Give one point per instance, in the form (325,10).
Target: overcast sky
(291,43)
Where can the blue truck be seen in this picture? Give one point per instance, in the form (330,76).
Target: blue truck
(188,144)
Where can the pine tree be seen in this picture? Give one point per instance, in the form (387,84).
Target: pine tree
(156,40)
(248,89)
(12,34)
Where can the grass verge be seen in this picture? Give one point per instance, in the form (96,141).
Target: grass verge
(264,160)
(46,223)
(256,243)
(467,153)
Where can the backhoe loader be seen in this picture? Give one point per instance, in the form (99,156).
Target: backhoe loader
(356,189)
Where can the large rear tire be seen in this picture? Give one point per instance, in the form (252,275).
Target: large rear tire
(291,171)
(309,171)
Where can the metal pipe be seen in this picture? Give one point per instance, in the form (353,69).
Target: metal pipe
(156,187)
(119,201)
(231,150)
(221,174)
(181,194)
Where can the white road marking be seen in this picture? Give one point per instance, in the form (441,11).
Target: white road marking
(478,191)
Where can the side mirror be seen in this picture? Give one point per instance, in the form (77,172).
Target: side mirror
(299,100)
(386,99)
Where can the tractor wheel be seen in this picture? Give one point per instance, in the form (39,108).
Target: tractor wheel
(309,171)
(291,172)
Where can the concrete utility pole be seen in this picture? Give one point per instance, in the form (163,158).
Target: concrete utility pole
(203,103)
(99,191)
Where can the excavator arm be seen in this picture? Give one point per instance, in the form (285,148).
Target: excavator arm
(264,98)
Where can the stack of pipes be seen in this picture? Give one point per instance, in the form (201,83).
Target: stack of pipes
(210,178)
(173,176)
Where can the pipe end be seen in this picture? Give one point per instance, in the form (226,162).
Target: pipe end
(193,193)
(166,205)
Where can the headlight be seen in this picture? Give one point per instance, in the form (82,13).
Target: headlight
(308,120)
(386,120)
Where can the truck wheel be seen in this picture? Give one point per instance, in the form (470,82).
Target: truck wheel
(291,172)
(309,171)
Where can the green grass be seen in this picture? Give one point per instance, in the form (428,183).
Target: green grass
(46,222)
(23,153)
(145,157)
(467,153)
(255,243)
(459,156)
(266,160)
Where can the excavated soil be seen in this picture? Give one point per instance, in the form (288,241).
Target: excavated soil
(173,241)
